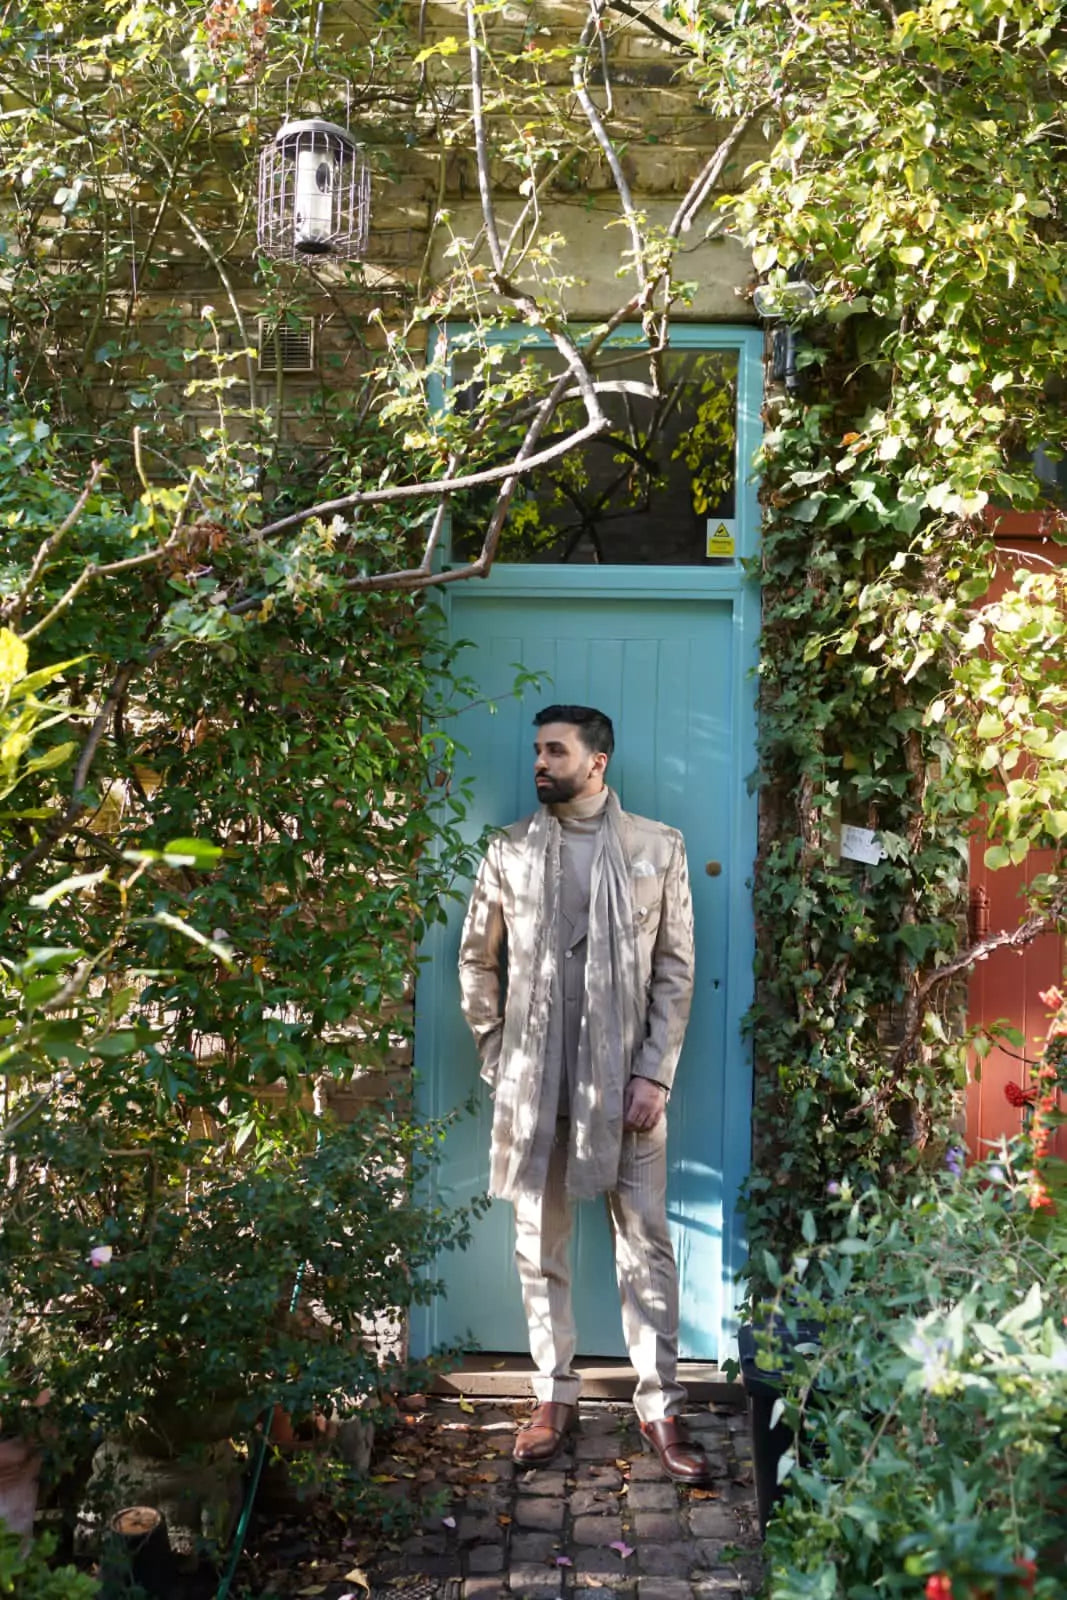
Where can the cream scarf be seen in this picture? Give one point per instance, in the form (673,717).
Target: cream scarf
(527,1088)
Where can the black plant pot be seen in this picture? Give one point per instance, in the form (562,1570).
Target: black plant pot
(763,1388)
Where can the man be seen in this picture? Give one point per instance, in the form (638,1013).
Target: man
(591,908)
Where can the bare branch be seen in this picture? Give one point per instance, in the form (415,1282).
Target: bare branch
(1007,939)
(1038,923)
(235,305)
(91,571)
(76,806)
(600,133)
(532,204)
(650,24)
(412,491)
(13,608)
(437,527)
(548,409)
(481,148)
(524,301)
(709,176)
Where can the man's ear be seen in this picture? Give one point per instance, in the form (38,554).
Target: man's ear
(600,762)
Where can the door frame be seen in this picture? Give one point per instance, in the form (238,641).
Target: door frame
(437,985)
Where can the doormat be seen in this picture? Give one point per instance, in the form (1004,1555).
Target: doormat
(416,1588)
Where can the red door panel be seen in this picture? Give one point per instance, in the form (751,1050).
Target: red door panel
(1006,986)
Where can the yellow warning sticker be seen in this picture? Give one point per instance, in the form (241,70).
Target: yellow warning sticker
(720,541)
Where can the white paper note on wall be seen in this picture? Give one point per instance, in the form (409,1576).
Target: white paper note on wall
(860,844)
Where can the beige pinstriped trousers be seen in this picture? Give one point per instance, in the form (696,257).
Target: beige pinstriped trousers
(644,1266)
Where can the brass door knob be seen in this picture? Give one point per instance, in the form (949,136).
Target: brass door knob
(713,868)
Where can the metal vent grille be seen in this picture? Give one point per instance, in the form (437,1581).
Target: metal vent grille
(287,346)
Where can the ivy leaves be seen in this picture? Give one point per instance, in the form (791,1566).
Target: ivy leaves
(1002,719)
(911,177)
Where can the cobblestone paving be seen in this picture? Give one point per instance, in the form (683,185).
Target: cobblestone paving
(601,1517)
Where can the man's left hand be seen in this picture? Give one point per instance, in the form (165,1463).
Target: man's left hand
(643,1105)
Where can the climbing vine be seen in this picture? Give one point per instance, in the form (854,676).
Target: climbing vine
(912,181)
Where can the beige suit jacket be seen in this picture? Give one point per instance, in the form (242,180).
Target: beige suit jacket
(498,927)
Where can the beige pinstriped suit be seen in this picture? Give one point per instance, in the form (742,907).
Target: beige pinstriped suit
(644,1259)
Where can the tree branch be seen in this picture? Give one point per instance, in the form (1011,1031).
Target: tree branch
(650,25)
(611,155)
(91,571)
(76,807)
(481,149)
(12,609)
(706,180)
(411,491)
(1038,923)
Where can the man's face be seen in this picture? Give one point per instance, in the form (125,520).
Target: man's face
(563,768)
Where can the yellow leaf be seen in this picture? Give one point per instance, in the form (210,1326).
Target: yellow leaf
(13,658)
(357,1575)
(465,1405)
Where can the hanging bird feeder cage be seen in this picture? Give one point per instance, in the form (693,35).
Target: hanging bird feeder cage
(314,193)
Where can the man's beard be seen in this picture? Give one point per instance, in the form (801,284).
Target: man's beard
(555,791)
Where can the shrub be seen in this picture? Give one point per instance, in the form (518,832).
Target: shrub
(930,1419)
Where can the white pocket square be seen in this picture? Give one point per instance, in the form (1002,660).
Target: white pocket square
(643,869)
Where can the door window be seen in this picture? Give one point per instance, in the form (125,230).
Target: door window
(659,488)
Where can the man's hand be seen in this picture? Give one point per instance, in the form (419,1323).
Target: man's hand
(643,1105)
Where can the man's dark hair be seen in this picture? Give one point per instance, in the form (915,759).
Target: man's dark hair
(593,726)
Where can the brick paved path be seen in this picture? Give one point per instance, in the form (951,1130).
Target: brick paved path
(602,1516)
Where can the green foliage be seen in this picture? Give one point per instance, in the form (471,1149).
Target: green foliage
(230,818)
(1002,719)
(924,1344)
(930,1410)
(29,1575)
(911,176)
(172,1286)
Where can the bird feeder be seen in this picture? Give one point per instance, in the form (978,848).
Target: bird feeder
(314,193)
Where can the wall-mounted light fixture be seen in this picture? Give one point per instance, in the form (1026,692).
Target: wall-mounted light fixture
(314,193)
(784,303)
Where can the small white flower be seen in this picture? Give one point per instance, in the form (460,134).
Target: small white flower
(100,1255)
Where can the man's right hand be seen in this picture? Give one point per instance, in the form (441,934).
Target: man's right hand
(643,1105)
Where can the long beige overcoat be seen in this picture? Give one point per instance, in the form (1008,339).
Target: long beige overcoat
(499,933)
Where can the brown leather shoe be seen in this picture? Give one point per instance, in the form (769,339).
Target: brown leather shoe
(681,1458)
(539,1440)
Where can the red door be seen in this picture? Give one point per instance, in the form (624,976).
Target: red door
(1005,987)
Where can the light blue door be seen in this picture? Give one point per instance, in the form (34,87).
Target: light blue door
(666,652)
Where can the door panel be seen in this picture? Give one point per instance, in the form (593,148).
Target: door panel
(1006,986)
(669,672)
